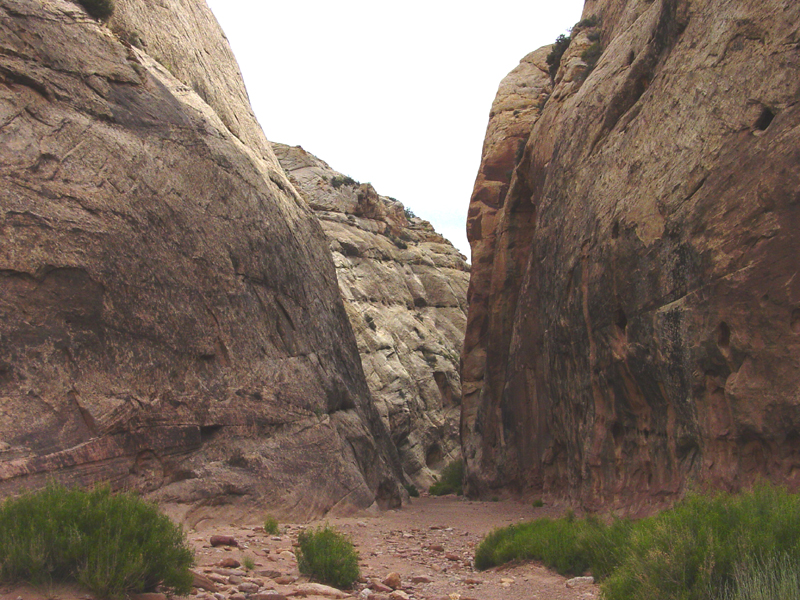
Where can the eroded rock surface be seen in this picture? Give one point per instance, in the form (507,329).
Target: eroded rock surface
(169,313)
(634,318)
(404,287)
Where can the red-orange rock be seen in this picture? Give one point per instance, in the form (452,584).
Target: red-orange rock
(634,306)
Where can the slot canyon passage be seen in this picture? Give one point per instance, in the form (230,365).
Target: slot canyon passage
(233,328)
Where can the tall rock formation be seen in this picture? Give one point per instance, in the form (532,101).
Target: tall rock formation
(405,289)
(169,313)
(634,324)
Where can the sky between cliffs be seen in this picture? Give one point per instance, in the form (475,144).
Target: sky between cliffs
(397,94)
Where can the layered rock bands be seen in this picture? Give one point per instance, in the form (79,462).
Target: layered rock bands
(634,322)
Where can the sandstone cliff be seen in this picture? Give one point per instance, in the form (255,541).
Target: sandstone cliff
(169,314)
(405,290)
(634,325)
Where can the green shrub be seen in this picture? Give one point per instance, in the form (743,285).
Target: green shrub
(538,503)
(409,213)
(327,556)
(412,490)
(591,55)
(99,9)
(271,525)
(773,578)
(249,563)
(554,58)
(591,21)
(339,180)
(701,546)
(568,545)
(451,480)
(110,543)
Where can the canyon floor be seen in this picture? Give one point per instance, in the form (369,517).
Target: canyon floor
(429,543)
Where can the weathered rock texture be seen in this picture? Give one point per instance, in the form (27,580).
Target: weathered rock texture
(405,290)
(169,314)
(634,323)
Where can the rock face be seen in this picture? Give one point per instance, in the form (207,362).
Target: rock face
(169,314)
(405,290)
(634,321)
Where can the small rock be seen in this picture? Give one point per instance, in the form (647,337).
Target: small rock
(452,556)
(238,596)
(201,581)
(471,581)
(223,540)
(436,547)
(421,579)
(218,596)
(287,554)
(285,580)
(506,580)
(248,588)
(268,596)
(579,582)
(230,563)
(309,589)
(147,596)
(393,581)
(234,580)
(398,595)
(377,586)
(271,573)
(217,578)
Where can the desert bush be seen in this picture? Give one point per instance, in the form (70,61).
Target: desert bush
(99,9)
(409,213)
(697,547)
(554,57)
(271,525)
(249,563)
(328,556)
(450,481)
(591,55)
(701,546)
(774,578)
(110,543)
(338,181)
(412,490)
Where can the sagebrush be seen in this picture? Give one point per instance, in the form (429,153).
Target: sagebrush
(113,544)
(719,546)
(328,556)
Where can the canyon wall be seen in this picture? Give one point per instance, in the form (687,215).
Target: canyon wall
(170,318)
(634,309)
(404,288)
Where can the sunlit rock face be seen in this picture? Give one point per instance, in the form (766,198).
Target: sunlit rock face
(170,318)
(405,289)
(634,326)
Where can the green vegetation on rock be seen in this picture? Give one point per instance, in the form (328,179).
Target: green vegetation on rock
(99,9)
(112,544)
(328,556)
(716,546)
(451,480)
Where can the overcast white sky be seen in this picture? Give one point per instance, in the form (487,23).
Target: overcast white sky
(397,94)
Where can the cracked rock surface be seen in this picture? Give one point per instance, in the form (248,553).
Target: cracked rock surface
(169,313)
(404,288)
(634,325)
